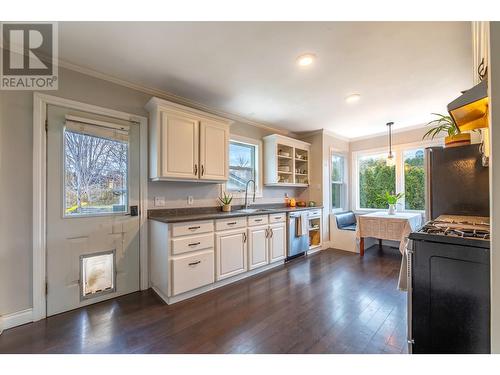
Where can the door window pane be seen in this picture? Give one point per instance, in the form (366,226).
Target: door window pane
(242,165)
(414,179)
(375,179)
(95,174)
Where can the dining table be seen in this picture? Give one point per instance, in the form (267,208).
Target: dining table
(384,226)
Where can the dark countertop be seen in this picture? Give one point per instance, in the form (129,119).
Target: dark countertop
(178,215)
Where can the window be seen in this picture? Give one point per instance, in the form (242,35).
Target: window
(414,179)
(375,179)
(338,184)
(372,178)
(244,157)
(95,170)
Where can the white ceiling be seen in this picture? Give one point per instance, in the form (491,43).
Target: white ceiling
(403,70)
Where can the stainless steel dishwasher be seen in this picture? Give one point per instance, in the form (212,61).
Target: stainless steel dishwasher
(298,238)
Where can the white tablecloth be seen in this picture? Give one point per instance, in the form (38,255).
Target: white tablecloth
(395,227)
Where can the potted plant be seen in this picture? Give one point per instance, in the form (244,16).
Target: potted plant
(446,124)
(225,201)
(392,200)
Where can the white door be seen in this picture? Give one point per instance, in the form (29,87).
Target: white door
(257,246)
(277,242)
(214,148)
(92,200)
(231,253)
(179,146)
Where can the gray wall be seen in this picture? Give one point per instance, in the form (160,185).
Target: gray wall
(16,121)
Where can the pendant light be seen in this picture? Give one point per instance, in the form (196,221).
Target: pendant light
(390,161)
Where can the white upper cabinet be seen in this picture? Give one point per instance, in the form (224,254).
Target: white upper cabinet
(286,161)
(179,145)
(214,150)
(186,144)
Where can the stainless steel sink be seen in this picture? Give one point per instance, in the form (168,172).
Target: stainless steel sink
(253,210)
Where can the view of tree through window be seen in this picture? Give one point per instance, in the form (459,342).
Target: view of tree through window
(375,179)
(242,165)
(95,174)
(414,179)
(337,180)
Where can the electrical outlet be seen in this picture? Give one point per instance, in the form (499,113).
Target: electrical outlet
(159,202)
(190,200)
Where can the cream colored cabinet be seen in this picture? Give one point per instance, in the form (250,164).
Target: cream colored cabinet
(179,145)
(231,253)
(187,144)
(277,242)
(214,150)
(258,246)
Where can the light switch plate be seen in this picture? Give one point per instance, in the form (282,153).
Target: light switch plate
(159,202)
(190,200)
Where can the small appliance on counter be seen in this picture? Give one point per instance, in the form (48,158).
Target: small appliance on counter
(449,286)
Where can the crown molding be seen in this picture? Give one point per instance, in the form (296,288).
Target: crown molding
(170,97)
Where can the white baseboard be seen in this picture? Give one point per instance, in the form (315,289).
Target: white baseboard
(16,319)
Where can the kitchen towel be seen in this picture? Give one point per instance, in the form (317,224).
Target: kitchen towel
(298,226)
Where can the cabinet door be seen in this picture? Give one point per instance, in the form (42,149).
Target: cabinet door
(277,242)
(257,247)
(179,146)
(231,253)
(214,150)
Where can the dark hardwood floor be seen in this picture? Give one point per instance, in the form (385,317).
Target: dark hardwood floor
(330,302)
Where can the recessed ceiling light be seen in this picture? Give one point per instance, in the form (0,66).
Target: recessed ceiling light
(353,98)
(306,59)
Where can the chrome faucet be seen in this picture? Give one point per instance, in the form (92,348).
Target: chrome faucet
(246,193)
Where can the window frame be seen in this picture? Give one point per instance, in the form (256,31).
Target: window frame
(343,183)
(398,151)
(258,166)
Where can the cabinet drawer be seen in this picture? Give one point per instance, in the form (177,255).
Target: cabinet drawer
(192,271)
(277,218)
(314,213)
(232,223)
(193,227)
(191,243)
(257,220)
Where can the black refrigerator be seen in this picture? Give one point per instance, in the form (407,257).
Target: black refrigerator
(456,182)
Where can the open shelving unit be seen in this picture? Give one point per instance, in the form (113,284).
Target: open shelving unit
(286,161)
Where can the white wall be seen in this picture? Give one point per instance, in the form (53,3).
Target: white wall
(16,141)
(494,87)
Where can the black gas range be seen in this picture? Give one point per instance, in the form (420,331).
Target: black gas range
(449,286)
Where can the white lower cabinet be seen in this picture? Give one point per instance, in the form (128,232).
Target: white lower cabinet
(277,242)
(191,258)
(258,246)
(192,271)
(231,253)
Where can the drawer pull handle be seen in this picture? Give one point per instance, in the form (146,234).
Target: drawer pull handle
(258,220)
(277,217)
(194,244)
(194,263)
(193,228)
(232,223)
